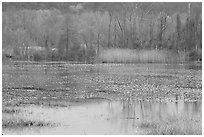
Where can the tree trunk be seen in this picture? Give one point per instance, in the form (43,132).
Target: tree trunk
(98,48)
(134,31)
(121,30)
(109,29)
(151,34)
(131,31)
(115,36)
(67,46)
(85,52)
(46,47)
(124,29)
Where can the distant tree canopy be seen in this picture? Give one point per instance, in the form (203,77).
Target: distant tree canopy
(76,30)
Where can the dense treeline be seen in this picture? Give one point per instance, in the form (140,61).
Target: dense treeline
(80,31)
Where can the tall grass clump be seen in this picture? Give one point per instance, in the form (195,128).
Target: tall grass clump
(174,125)
(141,56)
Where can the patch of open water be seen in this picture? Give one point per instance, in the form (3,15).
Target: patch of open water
(105,116)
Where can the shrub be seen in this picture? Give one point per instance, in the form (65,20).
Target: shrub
(195,55)
(38,56)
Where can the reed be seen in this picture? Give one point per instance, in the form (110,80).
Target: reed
(140,56)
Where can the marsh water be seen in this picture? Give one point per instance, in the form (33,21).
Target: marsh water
(107,117)
(82,99)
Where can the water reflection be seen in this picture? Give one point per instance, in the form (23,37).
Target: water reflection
(134,112)
(109,117)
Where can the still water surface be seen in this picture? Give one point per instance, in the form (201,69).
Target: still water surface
(99,116)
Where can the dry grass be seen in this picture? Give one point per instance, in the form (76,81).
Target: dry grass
(178,125)
(15,123)
(140,56)
(17,117)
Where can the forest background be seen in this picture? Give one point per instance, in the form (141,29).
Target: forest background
(102,32)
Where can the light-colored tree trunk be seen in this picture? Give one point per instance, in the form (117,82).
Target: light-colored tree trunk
(109,29)
(85,52)
(115,35)
(67,46)
(122,33)
(98,44)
